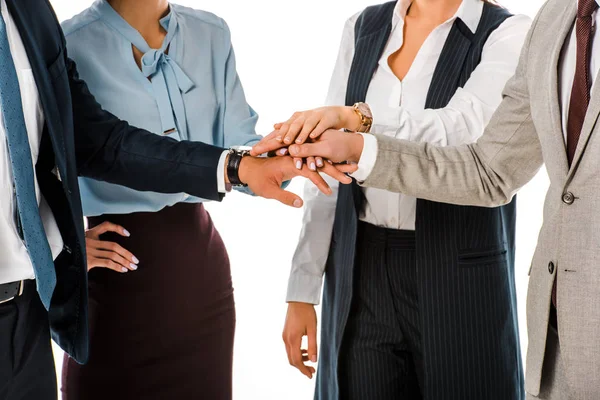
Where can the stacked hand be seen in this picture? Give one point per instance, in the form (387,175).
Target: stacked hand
(315,135)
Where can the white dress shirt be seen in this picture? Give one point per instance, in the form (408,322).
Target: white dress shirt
(399,111)
(15,264)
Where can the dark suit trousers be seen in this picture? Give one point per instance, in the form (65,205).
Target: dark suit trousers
(26,360)
(381,355)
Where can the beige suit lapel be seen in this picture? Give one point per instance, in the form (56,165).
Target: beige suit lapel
(555,106)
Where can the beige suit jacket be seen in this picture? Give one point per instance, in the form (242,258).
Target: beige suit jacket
(524,133)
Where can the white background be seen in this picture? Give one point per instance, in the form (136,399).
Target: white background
(285,52)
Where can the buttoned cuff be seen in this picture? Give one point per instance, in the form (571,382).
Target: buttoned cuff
(304,288)
(367,158)
(222,187)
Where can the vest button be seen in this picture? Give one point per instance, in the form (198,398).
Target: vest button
(568,198)
(551,267)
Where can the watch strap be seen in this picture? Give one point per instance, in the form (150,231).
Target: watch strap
(233,166)
(365,121)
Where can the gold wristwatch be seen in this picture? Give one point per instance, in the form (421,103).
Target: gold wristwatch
(366,117)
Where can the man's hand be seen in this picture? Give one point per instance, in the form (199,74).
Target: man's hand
(333,145)
(264,176)
(301,320)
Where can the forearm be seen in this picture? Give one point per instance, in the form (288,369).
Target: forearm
(111,150)
(468,175)
(161,165)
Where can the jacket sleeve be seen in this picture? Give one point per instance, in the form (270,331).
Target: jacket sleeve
(111,150)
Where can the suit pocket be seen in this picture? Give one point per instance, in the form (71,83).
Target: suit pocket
(482,256)
(57,67)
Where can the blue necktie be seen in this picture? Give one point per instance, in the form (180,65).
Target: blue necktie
(33,232)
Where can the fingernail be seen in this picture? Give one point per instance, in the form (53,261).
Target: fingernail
(278,138)
(312,166)
(135,260)
(133,266)
(299,141)
(124,269)
(126,232)
(297,203)
(287,140)
(320,163)
(330,162)
(299,164)
(313,359)
(283,152)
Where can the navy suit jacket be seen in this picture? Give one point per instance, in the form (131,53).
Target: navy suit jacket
(81,139)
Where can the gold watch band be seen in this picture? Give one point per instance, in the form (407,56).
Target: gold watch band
(365,121)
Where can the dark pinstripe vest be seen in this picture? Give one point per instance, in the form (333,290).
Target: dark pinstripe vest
(465,255)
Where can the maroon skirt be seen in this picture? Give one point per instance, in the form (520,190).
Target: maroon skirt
(166,330)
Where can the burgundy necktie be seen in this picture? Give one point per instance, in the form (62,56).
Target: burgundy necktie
(580,95)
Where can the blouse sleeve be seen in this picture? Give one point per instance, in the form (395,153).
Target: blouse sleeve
(308,264)
(239,119)
(470,109)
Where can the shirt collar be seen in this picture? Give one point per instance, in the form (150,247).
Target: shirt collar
(469,12)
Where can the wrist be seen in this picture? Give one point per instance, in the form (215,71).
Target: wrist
(247,165)
(357,143)
(350,119)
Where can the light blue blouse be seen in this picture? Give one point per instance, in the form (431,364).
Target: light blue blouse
(188,89)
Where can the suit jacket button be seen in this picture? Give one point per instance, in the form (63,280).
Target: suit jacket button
(551,267)
(568,198)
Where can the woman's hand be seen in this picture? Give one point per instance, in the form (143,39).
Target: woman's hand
(105,254)
(307,125)
(334,145)
(301,320)
(313,123)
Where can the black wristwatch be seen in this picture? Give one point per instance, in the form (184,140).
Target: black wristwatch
(233,165)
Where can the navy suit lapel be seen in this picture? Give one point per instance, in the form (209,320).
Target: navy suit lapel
(373,46)
(449,68)
(370,42)
(26,20)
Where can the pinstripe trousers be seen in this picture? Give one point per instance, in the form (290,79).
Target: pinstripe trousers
(381,355)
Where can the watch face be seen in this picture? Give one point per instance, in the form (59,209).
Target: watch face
(364,110)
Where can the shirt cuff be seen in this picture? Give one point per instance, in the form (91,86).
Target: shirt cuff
(222,187)
(367,158)
(304,288)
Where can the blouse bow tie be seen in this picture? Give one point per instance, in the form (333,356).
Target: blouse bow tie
(156,62)
(169,82)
